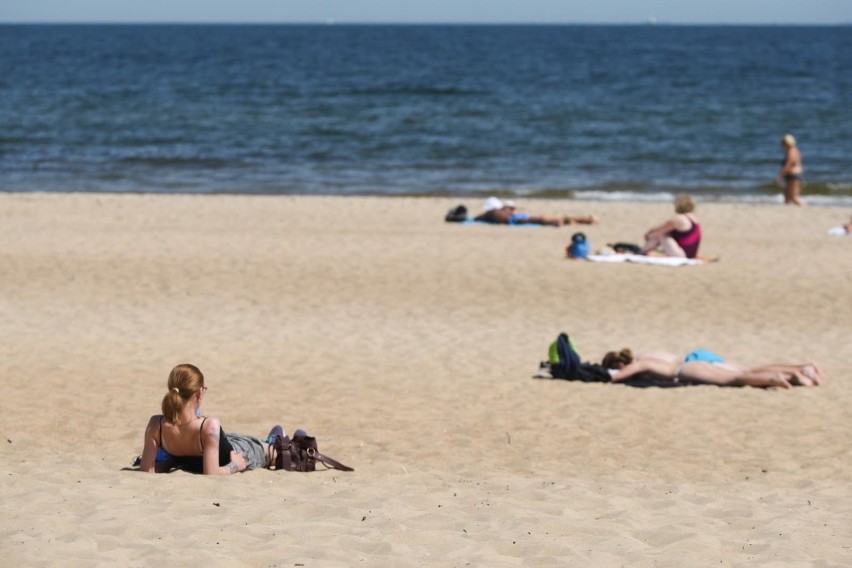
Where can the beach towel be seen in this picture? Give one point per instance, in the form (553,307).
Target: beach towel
(642,259)
(472,221)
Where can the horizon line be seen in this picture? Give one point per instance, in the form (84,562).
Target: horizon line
(332,22)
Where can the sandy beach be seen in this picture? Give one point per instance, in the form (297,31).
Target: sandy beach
(407,346)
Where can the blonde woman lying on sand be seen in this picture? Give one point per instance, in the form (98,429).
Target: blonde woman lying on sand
(182,438)
(703,367)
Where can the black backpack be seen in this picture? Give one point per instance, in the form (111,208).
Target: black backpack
(567,364)
(564,360)
(457,214)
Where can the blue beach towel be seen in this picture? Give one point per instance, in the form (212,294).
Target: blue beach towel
(472,221)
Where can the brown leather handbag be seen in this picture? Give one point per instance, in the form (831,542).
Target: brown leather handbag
(301,454)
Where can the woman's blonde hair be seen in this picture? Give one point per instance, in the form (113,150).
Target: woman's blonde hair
(184,381)
(684,203)
(789,140)
(612,359)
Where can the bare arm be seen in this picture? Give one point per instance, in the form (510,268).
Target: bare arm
(663,369)
(152,444)
(663,229)
(210,458)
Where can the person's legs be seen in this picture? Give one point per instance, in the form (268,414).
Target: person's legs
(730,375)
(254,451)
(277,431)
(652,243)
(580,219)
(671,248)
(791,191)
(809,374)
(763,379)
(666,243)
(541,220)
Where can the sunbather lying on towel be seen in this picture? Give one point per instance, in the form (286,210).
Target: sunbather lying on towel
(505,213)
(703,367)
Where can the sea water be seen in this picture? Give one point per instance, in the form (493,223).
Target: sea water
(604,112)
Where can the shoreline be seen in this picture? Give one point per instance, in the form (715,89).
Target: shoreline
(591,196)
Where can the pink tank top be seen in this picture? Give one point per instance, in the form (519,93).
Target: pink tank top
(688,240)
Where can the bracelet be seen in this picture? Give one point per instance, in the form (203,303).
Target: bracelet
(233,467)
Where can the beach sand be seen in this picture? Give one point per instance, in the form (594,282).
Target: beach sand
(407,346)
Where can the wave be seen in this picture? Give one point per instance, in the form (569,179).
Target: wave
(627,193)
(179,162)
(414,91)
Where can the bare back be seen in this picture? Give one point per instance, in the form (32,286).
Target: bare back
(182,439)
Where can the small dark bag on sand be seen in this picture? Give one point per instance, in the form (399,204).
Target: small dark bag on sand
(301,454)
(626,248)
(570,366)
(456,215)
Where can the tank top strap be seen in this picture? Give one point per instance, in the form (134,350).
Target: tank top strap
(162,443)
(201,434)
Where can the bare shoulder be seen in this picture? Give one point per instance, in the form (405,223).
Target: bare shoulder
(211,426)
(682,221)
(154,422)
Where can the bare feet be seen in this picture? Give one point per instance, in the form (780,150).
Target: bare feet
(581,220)
(779,381)
(814,373)
(802,380)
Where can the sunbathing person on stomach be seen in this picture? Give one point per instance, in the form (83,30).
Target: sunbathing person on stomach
(704,367)
(505,213)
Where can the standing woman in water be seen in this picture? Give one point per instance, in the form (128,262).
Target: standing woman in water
(791,171)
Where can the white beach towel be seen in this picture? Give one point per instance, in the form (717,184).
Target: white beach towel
(642,259)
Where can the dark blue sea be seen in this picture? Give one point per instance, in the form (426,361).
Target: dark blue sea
(584,112)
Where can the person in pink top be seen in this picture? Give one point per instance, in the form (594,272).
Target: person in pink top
(679,236)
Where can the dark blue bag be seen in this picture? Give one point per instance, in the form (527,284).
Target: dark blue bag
(564,359)
(456,215)
(579,247)
(565,363)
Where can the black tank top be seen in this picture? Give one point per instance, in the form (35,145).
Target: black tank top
(195,464)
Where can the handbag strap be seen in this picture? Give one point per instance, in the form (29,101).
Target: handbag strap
(331,463)
(283,443)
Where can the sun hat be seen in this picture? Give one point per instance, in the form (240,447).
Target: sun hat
(492,203)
